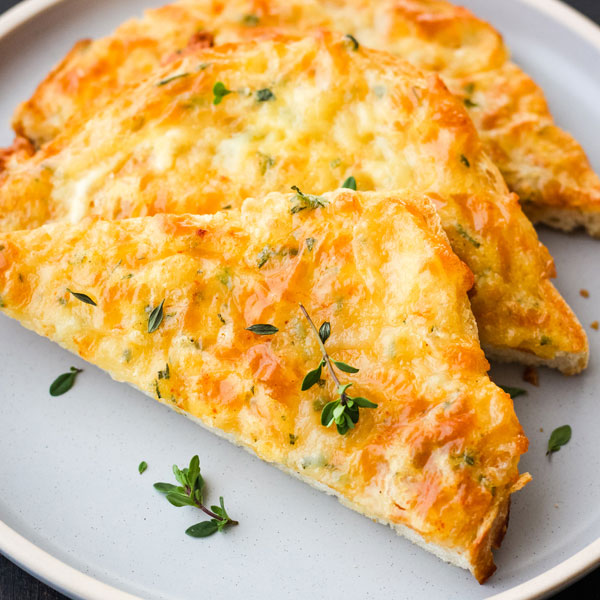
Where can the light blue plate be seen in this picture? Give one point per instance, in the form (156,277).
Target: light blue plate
(75,512)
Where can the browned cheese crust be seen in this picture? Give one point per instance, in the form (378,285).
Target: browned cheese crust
(437,459)
(308,112)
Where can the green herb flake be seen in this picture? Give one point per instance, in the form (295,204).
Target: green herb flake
(265,162)
(156,317)
(464,233)
(311,378)
(350,183)
(293,439)
(63,383)
(469,103)
(166,373)
(172,78)
(379,91)
(219,92)
(344,367)
(513,392)
(203,529)
(264,256)
(319,404)
(352,42)
(264,95)
(142,467)
(224,277)
(545,340)
(306,201)
(82,297)
(310,243)
(262,329)
(558,438)
(250,20)
(465,161)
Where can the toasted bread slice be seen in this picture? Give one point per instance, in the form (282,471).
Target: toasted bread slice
(544,165)
(437,459)
(310,113)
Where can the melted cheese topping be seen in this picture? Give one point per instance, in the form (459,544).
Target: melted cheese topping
(542,163)
(164,146)
(439,455)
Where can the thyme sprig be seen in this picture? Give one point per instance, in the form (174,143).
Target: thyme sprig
(343,411)
(189,493)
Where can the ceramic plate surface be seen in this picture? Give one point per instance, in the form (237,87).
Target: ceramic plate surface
(75,511)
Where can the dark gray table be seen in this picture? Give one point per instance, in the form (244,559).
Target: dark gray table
(16,584)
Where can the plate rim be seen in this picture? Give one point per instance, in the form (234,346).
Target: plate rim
(76,584)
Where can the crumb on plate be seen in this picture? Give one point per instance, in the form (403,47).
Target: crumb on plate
(531,375)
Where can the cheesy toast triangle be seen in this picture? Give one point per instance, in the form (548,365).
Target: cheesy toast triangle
(437,459)
(215,126)
(544,165)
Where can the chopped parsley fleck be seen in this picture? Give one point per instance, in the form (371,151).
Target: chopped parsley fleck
(465,161)
(464,233)
(265,162)
(264,256)
(172,78)
(265,95)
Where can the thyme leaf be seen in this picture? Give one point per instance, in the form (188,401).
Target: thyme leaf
(63,383)
(156,317)
(558,438)
(82,297)
(262,329)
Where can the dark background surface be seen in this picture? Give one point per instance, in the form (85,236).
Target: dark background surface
(15,584)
